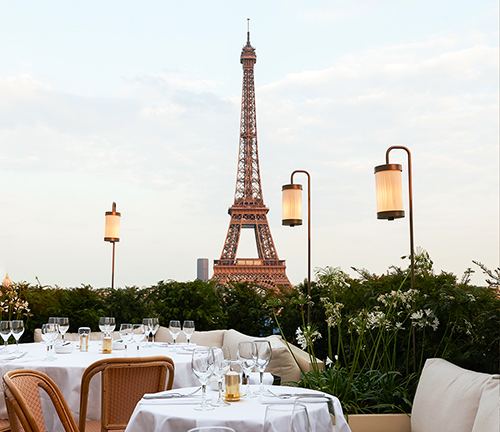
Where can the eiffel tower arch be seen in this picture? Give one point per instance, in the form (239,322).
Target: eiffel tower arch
(248,210)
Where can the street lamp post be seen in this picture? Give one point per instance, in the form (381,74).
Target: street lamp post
(112,235)
(292,215)
(390,206)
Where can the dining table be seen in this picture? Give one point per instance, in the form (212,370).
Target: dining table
(178,414)
(67,370)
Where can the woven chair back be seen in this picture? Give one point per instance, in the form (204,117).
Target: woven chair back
(22,396)
(124,381)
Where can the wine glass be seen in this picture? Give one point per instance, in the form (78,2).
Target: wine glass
(63,323)
(17,331)
(155,327)
(148,325)
(52,320)
(49,335)
(202,364)
(126,333)
(222,358)
(138,334)
(174,328)
(5,331)
(286,417)
(246,355)
(264,354)
(321,411)
(188,329)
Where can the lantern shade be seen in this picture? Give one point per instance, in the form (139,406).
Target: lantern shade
(112,226)
(389,191)
(292,205)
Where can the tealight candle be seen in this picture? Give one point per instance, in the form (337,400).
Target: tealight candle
(232,386)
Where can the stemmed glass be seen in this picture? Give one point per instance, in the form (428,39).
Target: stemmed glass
(246,355)
(174,328)
(222,357)
(188,329)
(49,335)
(17,331)
(138,334)
(148,327)
(5,331)
(202,364)
(264,354)
(155,327)
(286,417)
(126,333)
(63,323)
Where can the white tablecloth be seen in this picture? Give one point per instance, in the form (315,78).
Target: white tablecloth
(246,415)
(67,371)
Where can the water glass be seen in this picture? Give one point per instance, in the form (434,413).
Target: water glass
(222,364)
(321,411)
(188,329)
(286,417)
(17,331)
(63,323)
(49,335)
(247,355)
(138,334)
(202,364)
(148,329)
(156,326)
(5,331)
(174,328)
(126,333)
(264,354)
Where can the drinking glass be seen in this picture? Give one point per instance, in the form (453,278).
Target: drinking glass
(202,364)
(174,328)
(246,355)
(138,334)
(148,326)
(188,329)
(49,335)
(5,331)
(107,324)
(154,329)
(126,333)
(17,331)
(52,320)
(264,354)
(222,364)
(63,323)
(321,411)
(286,417)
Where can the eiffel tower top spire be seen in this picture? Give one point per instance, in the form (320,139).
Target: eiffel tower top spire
(248,187)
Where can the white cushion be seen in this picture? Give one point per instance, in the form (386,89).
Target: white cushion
(206,338)
(447,398)
(488,414)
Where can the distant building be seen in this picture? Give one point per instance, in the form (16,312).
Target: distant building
(202,272)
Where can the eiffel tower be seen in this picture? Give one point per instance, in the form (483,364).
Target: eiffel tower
(248,210)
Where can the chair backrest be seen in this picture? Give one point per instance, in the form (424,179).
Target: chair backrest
(22,396)
(124,381)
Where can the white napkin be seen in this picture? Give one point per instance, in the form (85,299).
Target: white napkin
(17,359)
(191,400)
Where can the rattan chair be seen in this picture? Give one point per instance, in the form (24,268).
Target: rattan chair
(123,383)
(21,390)
(4,425)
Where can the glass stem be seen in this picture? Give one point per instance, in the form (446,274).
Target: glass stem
(261,379)
(203,390)
(220,388)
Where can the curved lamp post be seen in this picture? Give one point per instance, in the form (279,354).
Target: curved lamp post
(390,205)
(292,215)
(112,234)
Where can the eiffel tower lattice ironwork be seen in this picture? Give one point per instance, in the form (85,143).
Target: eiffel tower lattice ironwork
(248,210)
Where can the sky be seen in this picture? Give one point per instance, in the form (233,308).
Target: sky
(139,103)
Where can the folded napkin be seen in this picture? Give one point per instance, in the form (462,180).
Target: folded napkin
(118,345)
(18,358)
(191,400)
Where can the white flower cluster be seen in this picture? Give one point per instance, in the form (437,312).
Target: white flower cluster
(332,312)
(405,298)
(425,318)
(307,337)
